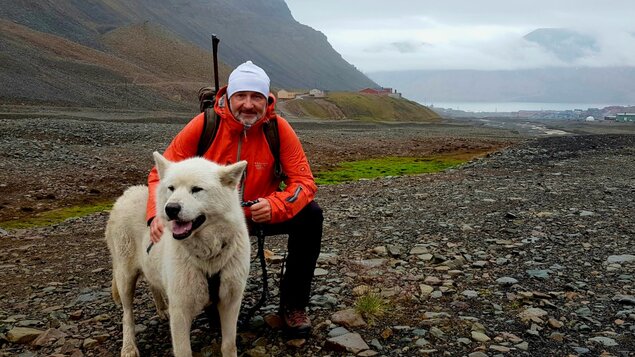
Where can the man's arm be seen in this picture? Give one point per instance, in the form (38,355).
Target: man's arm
(300,185)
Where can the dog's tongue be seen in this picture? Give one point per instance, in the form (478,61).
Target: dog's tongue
(179,228)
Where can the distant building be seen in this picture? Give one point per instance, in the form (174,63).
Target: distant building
(317,93)
(377,91)
(283,94)
(590,118)
(625,117)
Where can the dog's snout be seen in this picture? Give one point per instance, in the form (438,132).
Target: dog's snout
(172,210)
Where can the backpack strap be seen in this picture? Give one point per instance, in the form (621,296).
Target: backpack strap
(210,128)
(273,139)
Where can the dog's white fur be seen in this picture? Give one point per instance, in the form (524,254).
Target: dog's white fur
(177,269)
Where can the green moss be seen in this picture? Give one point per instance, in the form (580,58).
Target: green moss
(56,216)
(386,166)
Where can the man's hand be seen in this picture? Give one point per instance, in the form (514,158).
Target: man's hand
(156,230)
(261,211)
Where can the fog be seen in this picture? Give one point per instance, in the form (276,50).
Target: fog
(487,35)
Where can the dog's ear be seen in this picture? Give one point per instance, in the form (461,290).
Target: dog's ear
(161,162)
(230,175)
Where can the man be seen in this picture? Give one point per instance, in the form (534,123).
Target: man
(242,107)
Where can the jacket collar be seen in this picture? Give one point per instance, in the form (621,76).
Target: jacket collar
(222,108)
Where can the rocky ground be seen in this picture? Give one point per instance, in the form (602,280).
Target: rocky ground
(527,251)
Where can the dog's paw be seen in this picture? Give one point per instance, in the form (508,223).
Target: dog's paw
(130,351)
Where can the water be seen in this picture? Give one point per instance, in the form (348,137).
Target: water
(505,107)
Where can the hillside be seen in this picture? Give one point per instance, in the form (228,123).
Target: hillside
(346,105)
(136,53)
(62,72)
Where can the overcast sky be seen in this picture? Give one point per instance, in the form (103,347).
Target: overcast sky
(381,35)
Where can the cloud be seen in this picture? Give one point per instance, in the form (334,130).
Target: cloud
(488,34)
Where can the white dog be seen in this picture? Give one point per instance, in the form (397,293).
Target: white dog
(206,234)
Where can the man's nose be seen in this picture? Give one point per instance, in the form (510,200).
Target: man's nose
(248,103)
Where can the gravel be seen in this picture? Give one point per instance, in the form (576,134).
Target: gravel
(527,251)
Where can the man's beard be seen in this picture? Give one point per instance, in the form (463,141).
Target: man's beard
(248,118)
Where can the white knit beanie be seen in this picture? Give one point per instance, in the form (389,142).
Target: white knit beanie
(248,77)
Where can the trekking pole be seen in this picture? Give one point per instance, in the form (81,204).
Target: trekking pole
(215,41)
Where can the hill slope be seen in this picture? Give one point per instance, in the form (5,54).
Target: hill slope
(358,106)
(293,54)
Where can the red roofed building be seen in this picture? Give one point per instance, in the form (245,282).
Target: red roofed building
(377,91)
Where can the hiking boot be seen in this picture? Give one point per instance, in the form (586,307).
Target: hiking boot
(297,321)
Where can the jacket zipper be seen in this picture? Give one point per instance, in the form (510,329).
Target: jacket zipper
(244,176)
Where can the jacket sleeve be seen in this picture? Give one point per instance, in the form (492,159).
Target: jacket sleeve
(300,186)
(183,146)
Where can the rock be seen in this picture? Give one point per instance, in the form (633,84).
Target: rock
(604,341)
(480,337)
(381,250)
(394,250)
(338,331)
(426,290)
(533,314)
(554,323)
(624,299)
(418,250)
(350,342)
(538,273)
(470,294)
(432,280)
(274,321)
(372,263)
(499,348)
(619,259)
(296,343)
(320,272)
(506,280)
(23,335)
(367,353)
(258,351)
(523,346)
(90,343)
(477,354)
(348,318)
(48,337)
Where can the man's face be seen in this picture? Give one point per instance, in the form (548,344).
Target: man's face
(248,106)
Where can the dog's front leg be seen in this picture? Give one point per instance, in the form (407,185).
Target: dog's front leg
(228,310)
(180,324)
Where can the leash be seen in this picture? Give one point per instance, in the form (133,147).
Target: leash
(260,234)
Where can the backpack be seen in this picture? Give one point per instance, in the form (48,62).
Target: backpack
(206,98)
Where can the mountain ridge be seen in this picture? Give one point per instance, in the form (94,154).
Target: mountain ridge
(156,53)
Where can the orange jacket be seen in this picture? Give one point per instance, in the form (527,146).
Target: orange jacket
(235,142)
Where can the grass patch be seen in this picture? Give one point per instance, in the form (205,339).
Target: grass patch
(386,166)
(56,216)
(371,306)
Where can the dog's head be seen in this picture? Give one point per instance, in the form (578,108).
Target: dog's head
(194,191)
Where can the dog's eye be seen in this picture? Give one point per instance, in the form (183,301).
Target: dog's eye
(171,188)
(196,189)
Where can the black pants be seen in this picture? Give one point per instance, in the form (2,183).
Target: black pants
(303,249)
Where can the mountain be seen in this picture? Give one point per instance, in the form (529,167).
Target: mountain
(566,81)
(566,44)
(155,52)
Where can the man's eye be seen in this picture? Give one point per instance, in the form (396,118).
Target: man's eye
(196,189)
(171,188)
